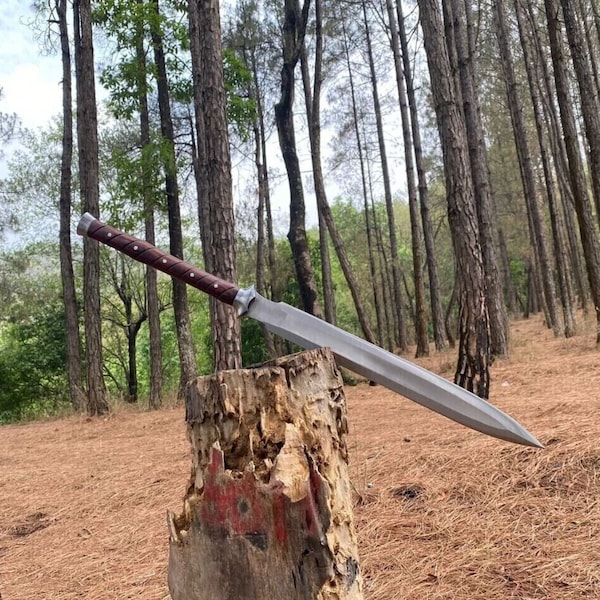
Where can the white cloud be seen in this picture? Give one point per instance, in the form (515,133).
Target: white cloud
(30,81)
(33,92)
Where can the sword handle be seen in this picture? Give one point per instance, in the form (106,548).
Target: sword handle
(148,254)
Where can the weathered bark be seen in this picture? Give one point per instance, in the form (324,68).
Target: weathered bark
(73,358)
(472,370)
(589,240)
(293,30)
(420,313)
(484,201)
(152,304)
(401,337)
(435,299)
(214,169)
(268,511)
(87,137)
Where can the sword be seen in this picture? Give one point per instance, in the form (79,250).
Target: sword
(374,363)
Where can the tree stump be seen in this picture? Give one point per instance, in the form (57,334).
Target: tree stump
(268,511)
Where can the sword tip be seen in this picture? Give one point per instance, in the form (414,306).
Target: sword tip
(525,438)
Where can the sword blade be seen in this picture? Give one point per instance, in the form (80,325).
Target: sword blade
(379,365)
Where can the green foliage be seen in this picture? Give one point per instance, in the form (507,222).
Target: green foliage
(9,123)
(241,109)
(32,336)
(29,192)
(254,349)
(32,358)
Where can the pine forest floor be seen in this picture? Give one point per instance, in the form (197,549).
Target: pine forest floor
(442,512)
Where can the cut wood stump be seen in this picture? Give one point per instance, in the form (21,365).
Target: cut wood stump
(268,512)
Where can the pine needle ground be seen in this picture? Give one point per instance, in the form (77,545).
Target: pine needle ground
(441,512)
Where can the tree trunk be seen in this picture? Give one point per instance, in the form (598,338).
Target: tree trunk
(294,25)
(437,313)
(553,207)
(87,137)
(268,511)
(561,166)
(152,303)
(329,305)
(214,168)
(587,231)
(73,358)
(527,173)
(588,94)
(400,333)
(313,105)
(472,371)
(461,23)
(375,283)
(420,313)
(385,273)
(509,291)
(591,49)
(263,248)
(153,310)
(133,329)
(261,240)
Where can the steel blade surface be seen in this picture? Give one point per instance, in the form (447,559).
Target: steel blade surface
(379,365)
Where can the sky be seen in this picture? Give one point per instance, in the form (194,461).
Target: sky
(30,81)
(31,87)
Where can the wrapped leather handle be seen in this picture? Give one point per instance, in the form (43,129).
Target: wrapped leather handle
(148,254)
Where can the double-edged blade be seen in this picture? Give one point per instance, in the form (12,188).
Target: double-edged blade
(379,365)
(375,363)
